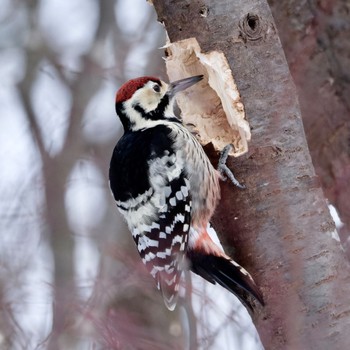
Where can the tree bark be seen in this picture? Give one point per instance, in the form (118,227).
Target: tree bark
(280,226)
(315,37)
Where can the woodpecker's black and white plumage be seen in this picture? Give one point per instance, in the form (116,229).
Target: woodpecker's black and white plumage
(167,190)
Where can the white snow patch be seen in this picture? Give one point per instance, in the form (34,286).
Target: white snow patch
(334,213)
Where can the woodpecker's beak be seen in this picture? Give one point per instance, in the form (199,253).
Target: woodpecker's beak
(183,84)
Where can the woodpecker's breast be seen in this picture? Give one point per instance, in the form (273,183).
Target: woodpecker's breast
(203,177)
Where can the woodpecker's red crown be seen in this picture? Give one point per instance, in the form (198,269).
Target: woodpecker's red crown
(128,89)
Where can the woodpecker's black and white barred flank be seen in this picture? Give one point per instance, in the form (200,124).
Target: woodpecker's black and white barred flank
(167,190)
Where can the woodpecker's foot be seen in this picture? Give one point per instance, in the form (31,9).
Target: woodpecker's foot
(223,168)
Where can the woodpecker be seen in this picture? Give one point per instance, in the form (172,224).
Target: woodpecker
(167,190)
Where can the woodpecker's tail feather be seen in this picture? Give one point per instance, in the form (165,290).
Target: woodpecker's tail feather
(169,296)
(169,286)
(227,273)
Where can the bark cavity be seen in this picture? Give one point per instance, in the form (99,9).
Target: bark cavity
(213,109)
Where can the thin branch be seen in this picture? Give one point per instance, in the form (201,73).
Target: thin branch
(191,317)
(24,87)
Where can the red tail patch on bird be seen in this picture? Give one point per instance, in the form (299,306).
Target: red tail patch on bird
(206,245)
(129,88)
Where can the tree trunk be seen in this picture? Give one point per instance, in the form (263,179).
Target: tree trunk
(315,37)
(280,225)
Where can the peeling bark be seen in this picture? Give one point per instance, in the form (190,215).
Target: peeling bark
(216,94)
(279,227)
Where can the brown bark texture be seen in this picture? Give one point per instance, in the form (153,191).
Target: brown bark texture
(279,228)
(315,37)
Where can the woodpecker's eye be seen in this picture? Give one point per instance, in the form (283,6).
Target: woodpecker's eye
(156,88)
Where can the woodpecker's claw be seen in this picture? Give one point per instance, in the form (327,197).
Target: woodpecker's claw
(223,168)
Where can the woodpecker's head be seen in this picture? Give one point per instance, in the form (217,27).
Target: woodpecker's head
(143,100)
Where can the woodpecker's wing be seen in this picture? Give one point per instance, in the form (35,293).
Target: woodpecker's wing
(152,192)
(163,244)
